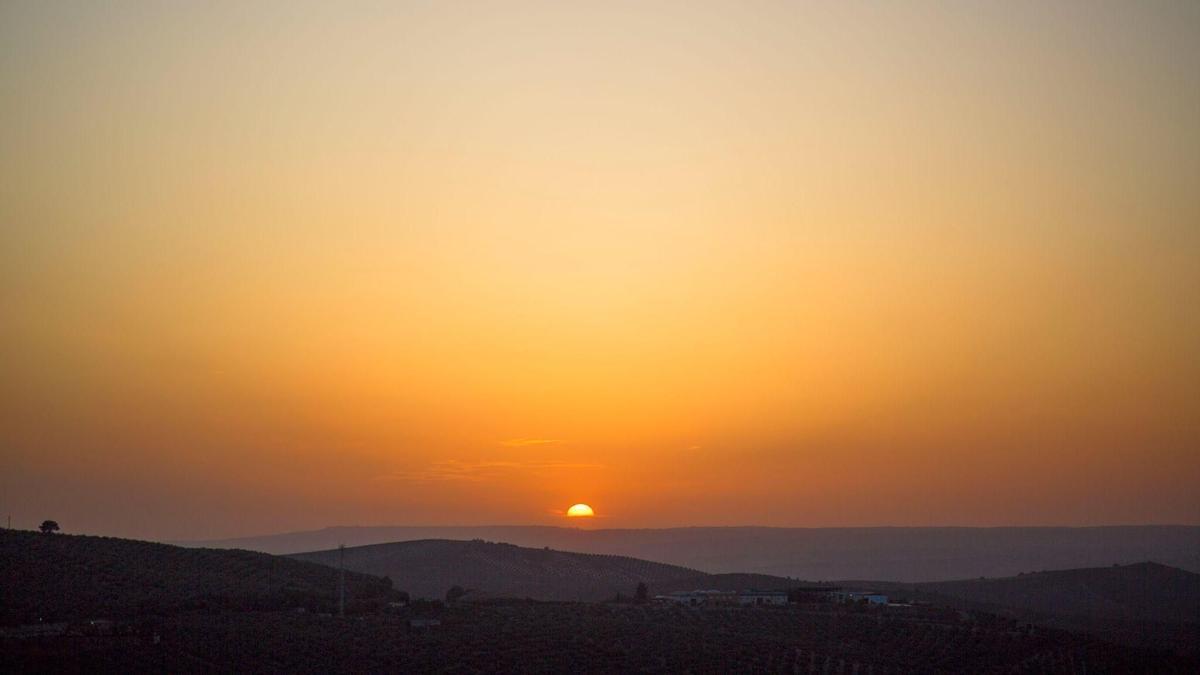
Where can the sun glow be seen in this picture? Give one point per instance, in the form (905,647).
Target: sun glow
(580,511)
(551,248)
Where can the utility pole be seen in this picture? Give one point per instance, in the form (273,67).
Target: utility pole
(341,580)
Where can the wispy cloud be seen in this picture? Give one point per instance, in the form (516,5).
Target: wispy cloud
(474,472)
(522,442)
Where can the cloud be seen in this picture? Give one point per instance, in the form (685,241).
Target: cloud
(475,472)
(522,442)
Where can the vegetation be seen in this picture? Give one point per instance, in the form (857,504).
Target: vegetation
(427,568)
(1144,604)
(182,610)
(532,637)
(1141,592)
(49,526)
(70,577)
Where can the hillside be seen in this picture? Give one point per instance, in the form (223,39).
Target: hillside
(1139,592)
(428,568)
(907,554)
(728,582)
(70,577)
(1144,604)
(240,624)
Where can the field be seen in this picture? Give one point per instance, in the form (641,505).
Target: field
(590,637)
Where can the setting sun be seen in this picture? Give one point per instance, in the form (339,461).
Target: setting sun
(580,511)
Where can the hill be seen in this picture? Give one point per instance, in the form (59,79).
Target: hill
(70,577)
(732,581)
(186,610)
(1139,592)
(428,568)
(1144,604)
(907,554)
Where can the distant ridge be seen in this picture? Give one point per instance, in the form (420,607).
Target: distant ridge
(905,554)
(428,568)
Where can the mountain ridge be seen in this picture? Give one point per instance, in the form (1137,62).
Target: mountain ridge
(901,554)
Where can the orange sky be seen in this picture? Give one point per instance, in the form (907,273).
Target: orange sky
(288,265)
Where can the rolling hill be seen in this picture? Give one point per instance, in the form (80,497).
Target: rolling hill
(71,577)
(729,581)
(240,625)
(1139,592)
(428,568)
(1144,604)
(906,554)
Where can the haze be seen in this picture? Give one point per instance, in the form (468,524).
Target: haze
(276,266)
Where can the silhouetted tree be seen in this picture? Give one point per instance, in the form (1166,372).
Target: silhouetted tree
(454,593)
(642,594)
(49,526)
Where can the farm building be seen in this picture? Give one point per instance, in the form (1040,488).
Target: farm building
(711,597)
(870,597)
(699,597)
(762,597)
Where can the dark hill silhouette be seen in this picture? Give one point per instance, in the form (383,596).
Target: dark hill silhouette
(729,582)
(1144,604)
(428,568)
(908,554)
(1140,592)
(69,577)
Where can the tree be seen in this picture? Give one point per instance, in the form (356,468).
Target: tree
(49,526)
(642,594)
(454,593)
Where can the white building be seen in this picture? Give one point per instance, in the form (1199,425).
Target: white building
(699,597)
(712,597)
(763,597)
(870,597)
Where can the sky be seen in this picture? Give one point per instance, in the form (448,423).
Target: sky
(281,265)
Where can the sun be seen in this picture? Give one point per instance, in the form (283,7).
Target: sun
(580,511)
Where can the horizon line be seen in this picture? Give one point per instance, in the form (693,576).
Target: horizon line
(686,527)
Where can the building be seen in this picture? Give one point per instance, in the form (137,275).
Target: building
(699,597)
(710,598)
(869,597)
(762,597)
